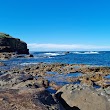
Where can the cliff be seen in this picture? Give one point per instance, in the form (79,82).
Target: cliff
(10,44)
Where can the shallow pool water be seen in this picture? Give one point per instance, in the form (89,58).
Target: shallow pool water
(77,74)
(50,72)
(107,77)
(96,86)
(51,90)
(61,79)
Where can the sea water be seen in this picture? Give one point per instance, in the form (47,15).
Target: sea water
(98,58)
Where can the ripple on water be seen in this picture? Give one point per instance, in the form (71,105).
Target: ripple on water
(107,77)
(53,73)
(51,90)
(96,86)
(61,79)
(77,74)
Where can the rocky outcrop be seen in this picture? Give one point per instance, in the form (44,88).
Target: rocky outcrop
(21,91)
(10,44)
(21,100)
(28,88)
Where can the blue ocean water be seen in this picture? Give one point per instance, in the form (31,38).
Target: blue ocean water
(100,58)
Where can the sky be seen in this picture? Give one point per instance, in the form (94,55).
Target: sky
(57,25)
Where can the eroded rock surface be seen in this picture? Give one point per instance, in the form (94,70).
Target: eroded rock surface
(82,98)
(14,100)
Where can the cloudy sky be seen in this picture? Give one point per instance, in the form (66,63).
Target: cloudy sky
(58,24)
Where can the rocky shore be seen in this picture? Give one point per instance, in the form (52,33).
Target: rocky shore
(45,86)
(54,87)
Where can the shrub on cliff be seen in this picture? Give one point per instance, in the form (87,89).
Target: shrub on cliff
(3,35)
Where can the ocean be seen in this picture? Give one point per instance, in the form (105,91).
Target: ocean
(95,58)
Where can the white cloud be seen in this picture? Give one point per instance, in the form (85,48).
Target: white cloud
(52,47)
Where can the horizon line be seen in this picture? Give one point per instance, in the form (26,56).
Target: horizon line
(66,47)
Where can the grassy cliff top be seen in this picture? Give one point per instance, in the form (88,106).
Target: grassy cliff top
(3,35)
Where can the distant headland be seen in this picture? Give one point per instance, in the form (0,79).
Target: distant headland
(10,46)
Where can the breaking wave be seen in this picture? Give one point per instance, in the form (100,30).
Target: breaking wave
(52,54)
(91,52)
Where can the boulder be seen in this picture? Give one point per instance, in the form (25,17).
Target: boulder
(76,97)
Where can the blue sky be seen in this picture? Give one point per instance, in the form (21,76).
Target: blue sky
(58,24)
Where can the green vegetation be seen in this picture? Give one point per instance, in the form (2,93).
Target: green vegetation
(3,35)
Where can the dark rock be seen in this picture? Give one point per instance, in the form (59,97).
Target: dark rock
(6,77)
(24,56)
(46,98)
(26,77)
(67,52)
(30,55)
(10,44)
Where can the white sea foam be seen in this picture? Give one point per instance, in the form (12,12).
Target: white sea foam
(91,52)
(52,54)
(24,64)
(77,52)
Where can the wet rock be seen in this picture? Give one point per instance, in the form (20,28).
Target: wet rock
(86,81)
(54,85)
(29,56)
(6,77)
(67,52)
(40,82)
(24,56)
(25,77)
(2,64)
